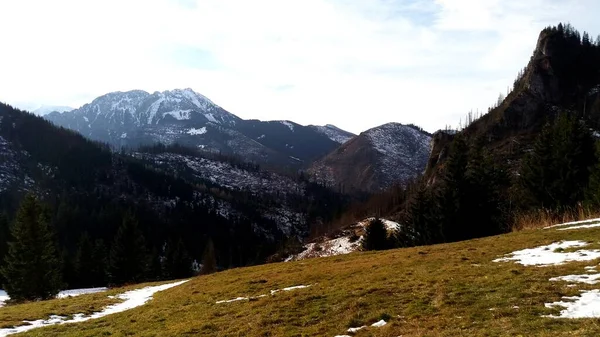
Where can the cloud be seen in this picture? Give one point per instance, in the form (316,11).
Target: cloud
(356,64)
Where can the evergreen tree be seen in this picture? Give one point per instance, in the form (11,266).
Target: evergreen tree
(32,268)
(84,262)
(375,237)
(178,263)
(155,267)
(556,173)
(486,187)
(452,199)
(128,258)
(422,223)
(209,260)
(100,258)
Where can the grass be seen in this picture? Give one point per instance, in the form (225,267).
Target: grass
(545,218)
(442,290)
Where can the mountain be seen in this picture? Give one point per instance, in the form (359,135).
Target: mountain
(334,133)
(46,109)
(376,159)
(174,193)
(134,118)
(562,76)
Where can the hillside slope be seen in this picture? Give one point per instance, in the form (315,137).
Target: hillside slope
(563,76)
(376,159)
(89,190)
(471,288)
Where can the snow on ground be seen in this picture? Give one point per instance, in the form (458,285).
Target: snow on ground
(333,247)
(195,132)
(346,244)
(273,292)
(77,292)
(132,299)
(62,294)
(389,225)
(374,325)
(583,278)
(589,221)
(580,227)
(586,305)
(289,288)
(552,254)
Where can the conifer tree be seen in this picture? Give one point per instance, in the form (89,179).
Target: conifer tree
(128,258)
(32,267)
(178,263)
(209,260)
(375,237)
(556,173)
(422,223)
(84,262)
(452,199)
(100,258)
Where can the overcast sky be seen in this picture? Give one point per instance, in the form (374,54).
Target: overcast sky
(353,63)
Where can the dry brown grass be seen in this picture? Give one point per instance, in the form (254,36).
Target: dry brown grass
(442,290)
(544,218)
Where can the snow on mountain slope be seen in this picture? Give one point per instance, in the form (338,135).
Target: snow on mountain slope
(334,133)
(46,109)
(134,118)
(9,167)
(376,159)
(239,177)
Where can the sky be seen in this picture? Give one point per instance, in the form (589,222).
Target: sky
(353,63)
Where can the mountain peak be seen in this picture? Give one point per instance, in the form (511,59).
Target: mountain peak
(46,109)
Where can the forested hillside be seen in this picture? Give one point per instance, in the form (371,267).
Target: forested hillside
(98,202)
(533,153)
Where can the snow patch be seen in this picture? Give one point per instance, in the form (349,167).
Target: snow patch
(211,118)
(584,278)
(288,124)
(132,299)
(179,115)
(124,135)
(575,223)
(580,227)
(273,292)
(195,132)
(586,305)
(551,254)
(78,292)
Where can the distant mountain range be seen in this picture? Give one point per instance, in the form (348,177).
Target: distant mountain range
(46,109)
(133,118)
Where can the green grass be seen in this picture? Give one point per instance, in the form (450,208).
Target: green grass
(442,290)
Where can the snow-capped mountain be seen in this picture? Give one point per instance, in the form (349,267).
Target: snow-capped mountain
(183,116)
(376,159)
(46,109)
(334,133)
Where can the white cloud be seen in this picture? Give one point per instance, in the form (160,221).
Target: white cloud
(355,64)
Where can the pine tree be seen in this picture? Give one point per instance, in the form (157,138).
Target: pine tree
(209,260)
(128,258)
(375,237)
(32,267)
(178,263)
(422,222)
(556,173)
(84,262)
(451,201)
(100,258)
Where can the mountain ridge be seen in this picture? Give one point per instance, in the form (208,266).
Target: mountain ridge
(136,117)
